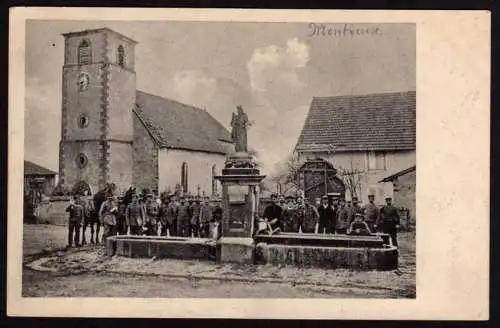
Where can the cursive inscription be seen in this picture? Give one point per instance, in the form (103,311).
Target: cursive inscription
(320,29)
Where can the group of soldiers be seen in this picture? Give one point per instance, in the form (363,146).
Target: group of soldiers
(184,216)
(334,215)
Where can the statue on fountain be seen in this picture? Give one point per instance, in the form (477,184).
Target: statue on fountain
(239,123)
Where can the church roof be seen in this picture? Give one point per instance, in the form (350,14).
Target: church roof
(31,168)
(176,125)
(382,121)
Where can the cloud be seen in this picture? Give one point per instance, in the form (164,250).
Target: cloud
(193,87)
(276,65)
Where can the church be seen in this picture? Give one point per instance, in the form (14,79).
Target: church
(113,133)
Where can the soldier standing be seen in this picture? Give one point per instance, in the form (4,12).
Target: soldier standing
(326,216)
(107,216)
(172,216)
(372,213)
(287,215)
(134,216)
(342,218)
(389,220)
(307,216)
(152,211)
(183,218)
(205,218)
(76,216)
(195,218)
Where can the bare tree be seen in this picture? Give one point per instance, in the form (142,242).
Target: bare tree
(351,177)
(286,180)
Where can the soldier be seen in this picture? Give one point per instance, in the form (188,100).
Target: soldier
(205,218)
(121,224)
(152,211)
(307,216)
(326,216)
(342,218)
(287,215)
(172,215)
(107,216)
(216,223)
(76,216)
(195,218)
(372,213)
(389,220)
(134,216)
(89,220)
(183,218)
(272,213)
(163,216)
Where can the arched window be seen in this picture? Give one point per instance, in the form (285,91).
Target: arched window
(121,56)
(184,177)
(214,181)
(84,52)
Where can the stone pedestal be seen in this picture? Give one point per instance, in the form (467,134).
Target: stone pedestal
(240,203)
(235,250)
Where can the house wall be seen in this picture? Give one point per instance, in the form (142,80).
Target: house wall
(404,193)
(145,158)
(199,169)
(395,161)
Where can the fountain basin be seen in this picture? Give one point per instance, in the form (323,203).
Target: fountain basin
(161,247)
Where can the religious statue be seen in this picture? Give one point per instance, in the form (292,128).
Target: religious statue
(239,123)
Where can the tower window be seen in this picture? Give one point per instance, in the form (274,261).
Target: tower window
(121,56)
(82,160)
(184,177)
(83,121)
(84,52)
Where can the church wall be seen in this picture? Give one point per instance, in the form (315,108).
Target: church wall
(97,41)
(91,173)
(199,169)
(121,101)
(394,162)
(145,158)
(119,170)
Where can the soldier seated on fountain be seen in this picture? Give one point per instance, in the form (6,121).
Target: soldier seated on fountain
(358,226)
(272,213)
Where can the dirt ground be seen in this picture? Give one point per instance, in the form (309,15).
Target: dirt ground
(87,272)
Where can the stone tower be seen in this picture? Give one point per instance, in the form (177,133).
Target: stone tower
(98,96)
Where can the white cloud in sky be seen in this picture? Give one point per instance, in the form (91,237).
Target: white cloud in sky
(194,87)
(270,64)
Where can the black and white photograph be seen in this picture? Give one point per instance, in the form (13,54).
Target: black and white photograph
(226,159)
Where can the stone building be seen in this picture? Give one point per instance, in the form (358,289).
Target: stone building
(366,137)
(112,132)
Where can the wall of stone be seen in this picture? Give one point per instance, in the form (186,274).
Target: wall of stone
(199,169)
(145,158)
(121,101)
(395,161)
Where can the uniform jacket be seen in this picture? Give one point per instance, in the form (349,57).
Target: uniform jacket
(205,213)
(107,213)
(183,213)
(134,214)
(327,214)
(342,218)
(288,214)
(152,210)
(217,213)
(172,212)
(76,212)
(307,215)
(389,214)
(372,213)
(195,214)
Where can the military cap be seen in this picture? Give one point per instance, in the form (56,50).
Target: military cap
(324,197)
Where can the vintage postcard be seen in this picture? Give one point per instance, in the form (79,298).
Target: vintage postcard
(249,163)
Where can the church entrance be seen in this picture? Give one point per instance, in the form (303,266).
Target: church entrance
(318,178)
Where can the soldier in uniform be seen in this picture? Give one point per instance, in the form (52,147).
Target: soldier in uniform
(389,220)
(152,210)
(107,216)
(372,213)
(287,215)
(76,216)
(195,218)
(183,218)
(172,215)
(342,218)
(307,216)
(327,218)
(272,213)
(205,218)
(134,216)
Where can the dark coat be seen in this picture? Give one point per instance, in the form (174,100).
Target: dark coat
(272,211)
(327,215)
(389,215)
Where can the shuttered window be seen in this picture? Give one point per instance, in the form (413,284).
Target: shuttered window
(84,52)
(121,56)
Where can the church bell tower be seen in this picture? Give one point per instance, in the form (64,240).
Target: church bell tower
(98,96)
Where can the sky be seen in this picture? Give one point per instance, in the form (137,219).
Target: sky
(272,69)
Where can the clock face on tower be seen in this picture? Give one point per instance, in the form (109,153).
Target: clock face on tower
(83,81)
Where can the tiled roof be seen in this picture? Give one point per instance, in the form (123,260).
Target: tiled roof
(176,125)
(383,121)
(398,174)
(31,168)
